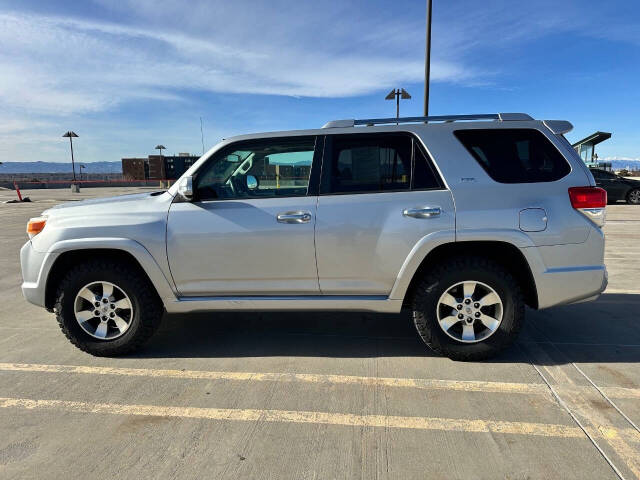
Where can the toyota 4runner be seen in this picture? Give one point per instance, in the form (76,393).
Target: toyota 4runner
(462,219)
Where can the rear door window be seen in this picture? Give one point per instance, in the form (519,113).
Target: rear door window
(516,155)
(376,163)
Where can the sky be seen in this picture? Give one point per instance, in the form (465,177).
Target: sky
(126,75)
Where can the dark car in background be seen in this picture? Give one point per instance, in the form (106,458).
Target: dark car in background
(618,188)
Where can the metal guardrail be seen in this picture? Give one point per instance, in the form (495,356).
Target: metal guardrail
(57,184)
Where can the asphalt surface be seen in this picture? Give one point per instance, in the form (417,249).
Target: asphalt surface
(304,396)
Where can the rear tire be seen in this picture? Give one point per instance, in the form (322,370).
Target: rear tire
(100,335)
(633,197)
(490,321)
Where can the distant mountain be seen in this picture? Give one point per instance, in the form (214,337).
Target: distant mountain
(57,167)
(618,164)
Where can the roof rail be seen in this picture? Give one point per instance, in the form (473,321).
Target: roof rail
(438,118)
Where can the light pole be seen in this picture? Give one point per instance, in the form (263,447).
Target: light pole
(427,61)
(71,135)
(397,94)
(81,167)
(160,148)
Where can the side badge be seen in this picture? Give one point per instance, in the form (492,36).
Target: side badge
(467,179)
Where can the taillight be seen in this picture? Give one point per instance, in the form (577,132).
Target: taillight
(590,201)
(588,197)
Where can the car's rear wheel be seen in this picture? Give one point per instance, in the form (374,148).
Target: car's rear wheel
(633,197)
(468,308)
(107,308)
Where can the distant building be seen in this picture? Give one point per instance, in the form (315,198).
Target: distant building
(135,168)
(176,166)
(586,149)
(157,167)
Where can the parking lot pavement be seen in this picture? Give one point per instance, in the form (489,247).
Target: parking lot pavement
(322,395)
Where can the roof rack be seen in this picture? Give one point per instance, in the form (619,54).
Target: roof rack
(438,118)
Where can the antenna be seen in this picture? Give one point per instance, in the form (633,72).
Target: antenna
(202,135)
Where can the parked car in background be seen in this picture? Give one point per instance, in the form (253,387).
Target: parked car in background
(618,188)
(464,220)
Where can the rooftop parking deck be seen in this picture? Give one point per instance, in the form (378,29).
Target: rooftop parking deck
(335,395)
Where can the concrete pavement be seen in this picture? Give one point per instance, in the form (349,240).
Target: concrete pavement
(301,395)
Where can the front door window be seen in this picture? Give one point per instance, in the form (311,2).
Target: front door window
(258,169)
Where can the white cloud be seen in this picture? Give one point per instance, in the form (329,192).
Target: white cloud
(65,66)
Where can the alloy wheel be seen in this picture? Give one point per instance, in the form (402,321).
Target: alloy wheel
(469,311)
(103,310)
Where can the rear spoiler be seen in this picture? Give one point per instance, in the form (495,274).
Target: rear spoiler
(558,127)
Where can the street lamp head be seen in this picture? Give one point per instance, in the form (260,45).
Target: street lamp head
(397,94)
(70,134)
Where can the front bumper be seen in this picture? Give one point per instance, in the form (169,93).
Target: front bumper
(34,267)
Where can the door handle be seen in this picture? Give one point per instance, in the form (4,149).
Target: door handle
(294,217)
(422,212)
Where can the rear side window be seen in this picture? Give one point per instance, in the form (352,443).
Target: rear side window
(515,155)
(375,163)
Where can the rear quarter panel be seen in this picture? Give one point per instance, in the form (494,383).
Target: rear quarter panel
(485,207)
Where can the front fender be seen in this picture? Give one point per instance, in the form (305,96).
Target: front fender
(147,262)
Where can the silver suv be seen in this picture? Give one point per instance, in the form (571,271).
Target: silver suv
(462,219)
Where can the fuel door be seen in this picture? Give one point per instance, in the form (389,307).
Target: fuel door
(533,220)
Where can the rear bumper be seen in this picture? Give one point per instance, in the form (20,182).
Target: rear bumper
(568,273)
(559,286)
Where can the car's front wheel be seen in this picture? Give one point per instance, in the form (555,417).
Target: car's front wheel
(468,308)
(107,308)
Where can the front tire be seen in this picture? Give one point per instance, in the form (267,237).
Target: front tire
(633,197)
(107,308)
(468,308)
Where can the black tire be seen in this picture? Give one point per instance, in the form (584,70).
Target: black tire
(147,307)
(437,281)
(633,197)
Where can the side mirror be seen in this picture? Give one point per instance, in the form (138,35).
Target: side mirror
(252,182)
(185,188)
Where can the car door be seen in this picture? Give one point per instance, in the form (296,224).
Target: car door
(379,196)
(619,186)
(249,229)
(616,188)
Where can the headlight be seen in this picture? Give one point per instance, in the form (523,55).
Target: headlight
(35,226)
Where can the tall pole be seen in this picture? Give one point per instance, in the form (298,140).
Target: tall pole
(427,61)
(73,166)
(397,103)
(202,135)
